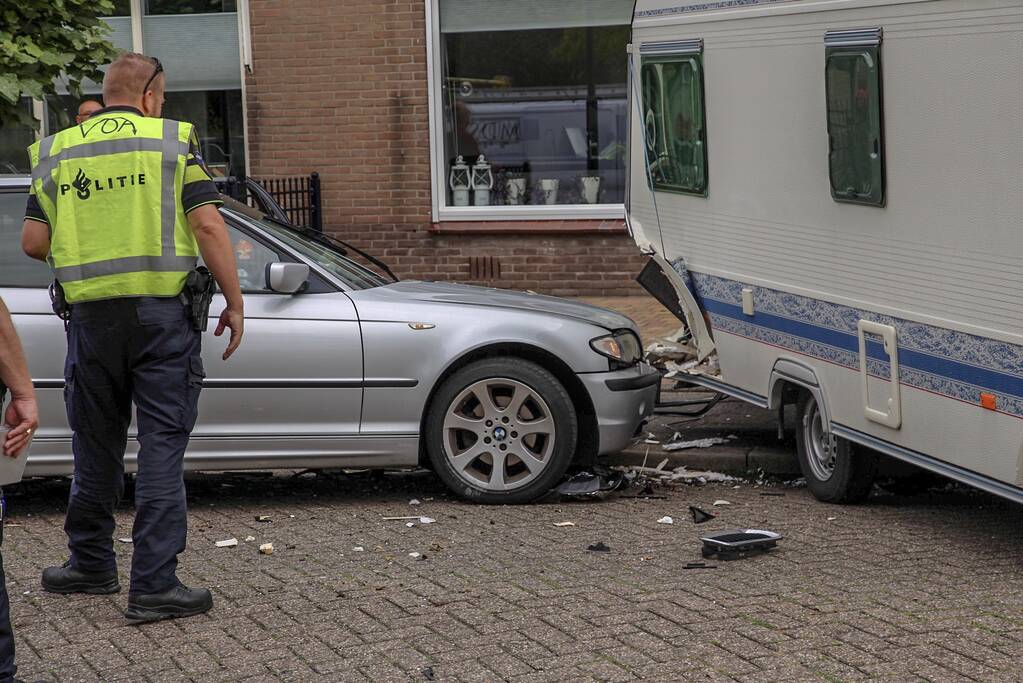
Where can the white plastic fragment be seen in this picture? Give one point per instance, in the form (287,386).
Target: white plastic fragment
(250,539)
(417,556)
(721,502)
(666,520)
(426,520)
(696,443)
(564,524)
(227,543)
(124,540)
(403,518)
(266,549)
(832,519)
(410,524)
(414,501)
(661,466)
(358,549)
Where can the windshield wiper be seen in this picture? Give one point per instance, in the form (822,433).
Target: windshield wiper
(332,241)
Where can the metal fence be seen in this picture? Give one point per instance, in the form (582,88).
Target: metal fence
(299,198)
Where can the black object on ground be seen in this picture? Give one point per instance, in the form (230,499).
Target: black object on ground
(586,483)
(700,516)
(599,547)
(739,543)
(699,565)
(428,674)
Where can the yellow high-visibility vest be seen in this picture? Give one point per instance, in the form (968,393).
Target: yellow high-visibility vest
(111,191)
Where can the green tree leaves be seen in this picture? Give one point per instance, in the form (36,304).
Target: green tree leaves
(46,41)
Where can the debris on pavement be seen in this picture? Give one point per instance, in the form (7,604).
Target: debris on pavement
(591,483)
(718,503)
(699,565)
(263,518)
(660,466)
(737,544)
(227,543)
(666,520)
(410,524)
(266,549)
(402,518)
(414,501)
(700,516)
(680,475)
(124,540)
(426,520)
(250,539)
(417,556)
(564,524)
(358,549)
(428,674)
(832,519)
(599,547)
(695,443)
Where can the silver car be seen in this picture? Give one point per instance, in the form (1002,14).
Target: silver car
(498,392)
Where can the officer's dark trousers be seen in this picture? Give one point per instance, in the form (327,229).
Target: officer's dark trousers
(7,667)
(140,350)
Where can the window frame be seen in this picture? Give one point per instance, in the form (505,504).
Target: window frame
(668,53)
(846,43)
(439,209)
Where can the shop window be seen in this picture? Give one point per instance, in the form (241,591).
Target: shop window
(855,116)
(674,121)
(539,91)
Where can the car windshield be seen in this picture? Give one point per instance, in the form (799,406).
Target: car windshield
(312,246)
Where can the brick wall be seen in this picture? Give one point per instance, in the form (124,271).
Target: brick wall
(339,87)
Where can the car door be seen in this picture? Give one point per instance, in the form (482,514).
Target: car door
(293,389)
(23,283)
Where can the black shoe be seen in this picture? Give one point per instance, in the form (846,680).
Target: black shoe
(65,579)
(179,601)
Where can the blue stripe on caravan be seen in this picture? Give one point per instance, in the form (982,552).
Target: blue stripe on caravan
(935,365)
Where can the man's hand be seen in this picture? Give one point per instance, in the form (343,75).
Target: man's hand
(234,320)
(23,416)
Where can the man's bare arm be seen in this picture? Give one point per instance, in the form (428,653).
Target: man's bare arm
(35,239)
(217,252)
(23,414)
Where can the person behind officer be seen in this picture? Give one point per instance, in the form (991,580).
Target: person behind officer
(86,109)
(130,206)
(22,416)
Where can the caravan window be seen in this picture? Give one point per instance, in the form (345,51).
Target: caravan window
(674,123)
(855,130)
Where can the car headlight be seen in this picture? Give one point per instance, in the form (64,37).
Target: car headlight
(622,347)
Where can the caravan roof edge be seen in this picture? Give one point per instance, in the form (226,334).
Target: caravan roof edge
(652,14)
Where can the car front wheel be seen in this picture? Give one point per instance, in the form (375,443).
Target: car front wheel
(501,430)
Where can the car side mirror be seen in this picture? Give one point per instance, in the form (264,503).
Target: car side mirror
(287,278)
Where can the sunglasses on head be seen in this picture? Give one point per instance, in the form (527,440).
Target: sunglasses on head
(158,69)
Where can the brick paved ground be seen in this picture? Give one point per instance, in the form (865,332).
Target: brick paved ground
(923,588)
(902,588)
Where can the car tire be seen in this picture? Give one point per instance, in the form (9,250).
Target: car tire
(487,450)
(835,469)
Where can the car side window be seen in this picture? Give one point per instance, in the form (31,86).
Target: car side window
(253,256)
(17,269)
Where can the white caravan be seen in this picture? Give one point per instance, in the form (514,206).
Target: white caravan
(837,186)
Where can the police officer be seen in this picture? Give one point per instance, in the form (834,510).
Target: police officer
(121,205)
(22,416)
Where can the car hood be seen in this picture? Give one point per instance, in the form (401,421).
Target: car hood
(446,293)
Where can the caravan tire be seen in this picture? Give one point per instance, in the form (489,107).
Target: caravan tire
(836,470)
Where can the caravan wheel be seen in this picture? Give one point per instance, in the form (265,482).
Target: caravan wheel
(836,471)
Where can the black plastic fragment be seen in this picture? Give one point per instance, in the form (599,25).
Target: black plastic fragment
(699,565)
(599,547)
(428,674)
(700,516)
(587,483)
(737,544)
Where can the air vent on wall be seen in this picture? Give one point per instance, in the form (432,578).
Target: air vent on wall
(484,268)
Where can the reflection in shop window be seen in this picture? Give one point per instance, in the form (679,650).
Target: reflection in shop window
(190,6)
(14,142)
(540,94)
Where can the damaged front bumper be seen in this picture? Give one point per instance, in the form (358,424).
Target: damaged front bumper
(622,401)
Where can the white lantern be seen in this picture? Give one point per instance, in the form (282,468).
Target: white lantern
(482,181)
(459,181)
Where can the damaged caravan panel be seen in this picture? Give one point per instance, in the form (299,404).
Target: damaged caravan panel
(838,233)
